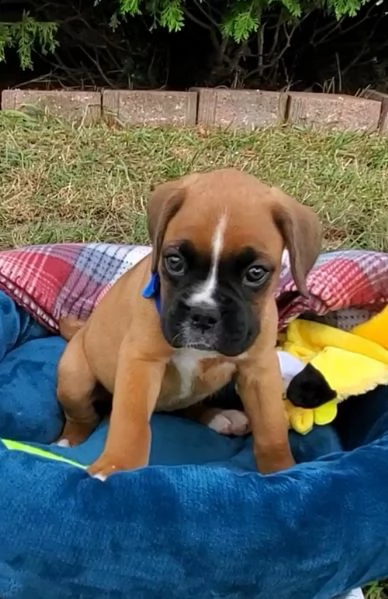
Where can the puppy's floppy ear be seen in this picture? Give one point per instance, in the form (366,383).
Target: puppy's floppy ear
(165,201)
(302,234)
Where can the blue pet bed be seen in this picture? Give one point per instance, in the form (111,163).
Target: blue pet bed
(200,522)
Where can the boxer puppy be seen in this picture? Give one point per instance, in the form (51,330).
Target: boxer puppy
(217,240)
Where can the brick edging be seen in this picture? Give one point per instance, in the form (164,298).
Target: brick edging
(237,109)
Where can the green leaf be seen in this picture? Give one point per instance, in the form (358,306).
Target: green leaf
(24,35)
(114,21)
(293,7)
(241,21)
(342,8)
(131,7)
(6,40)
(172,16)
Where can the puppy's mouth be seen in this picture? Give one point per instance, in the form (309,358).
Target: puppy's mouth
(189,337)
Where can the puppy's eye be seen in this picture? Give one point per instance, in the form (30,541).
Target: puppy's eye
(255,276)
(175,264)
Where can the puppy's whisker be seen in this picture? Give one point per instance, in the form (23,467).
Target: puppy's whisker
(178,339)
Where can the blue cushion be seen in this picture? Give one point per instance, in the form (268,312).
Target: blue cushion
(199,522)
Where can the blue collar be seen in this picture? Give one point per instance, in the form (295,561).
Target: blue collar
(152,290)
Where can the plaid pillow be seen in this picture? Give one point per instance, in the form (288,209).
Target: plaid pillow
(339,283)
(51,281)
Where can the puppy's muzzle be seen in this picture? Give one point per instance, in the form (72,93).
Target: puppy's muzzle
(200,326)
(203,319)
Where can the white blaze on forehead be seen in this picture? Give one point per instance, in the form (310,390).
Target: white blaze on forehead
(205,291)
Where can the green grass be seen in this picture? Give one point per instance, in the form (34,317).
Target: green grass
(60,183)
(377,591)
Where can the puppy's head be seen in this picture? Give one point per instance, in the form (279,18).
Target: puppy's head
(218,239)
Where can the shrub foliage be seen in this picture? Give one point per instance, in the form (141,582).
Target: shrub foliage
(334,45)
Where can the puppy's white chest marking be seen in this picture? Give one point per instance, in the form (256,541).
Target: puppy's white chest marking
(204,295)
(187,361)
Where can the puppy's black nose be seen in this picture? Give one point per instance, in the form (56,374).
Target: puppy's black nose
(204,318)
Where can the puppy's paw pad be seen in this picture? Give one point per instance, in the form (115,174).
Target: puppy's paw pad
(229,422)
(63,443)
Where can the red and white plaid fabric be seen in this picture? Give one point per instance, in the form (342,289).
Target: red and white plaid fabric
(340,281)
(51,281)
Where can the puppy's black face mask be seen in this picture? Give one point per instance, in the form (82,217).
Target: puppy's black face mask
(212,310)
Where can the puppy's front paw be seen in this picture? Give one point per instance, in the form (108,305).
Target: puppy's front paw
(62,442)
(109,464)
(228,422)
(75,433)
(269,462)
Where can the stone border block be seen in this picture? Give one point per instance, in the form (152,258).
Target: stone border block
(241,109)
(152,108)
(72,105)
(334,111)
(372,94)
(236,109)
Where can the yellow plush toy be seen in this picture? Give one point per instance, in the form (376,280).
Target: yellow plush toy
(337,365)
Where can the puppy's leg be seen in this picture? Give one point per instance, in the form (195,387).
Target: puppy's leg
(69,326)
(75,387)
(261,390)
(137,388)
